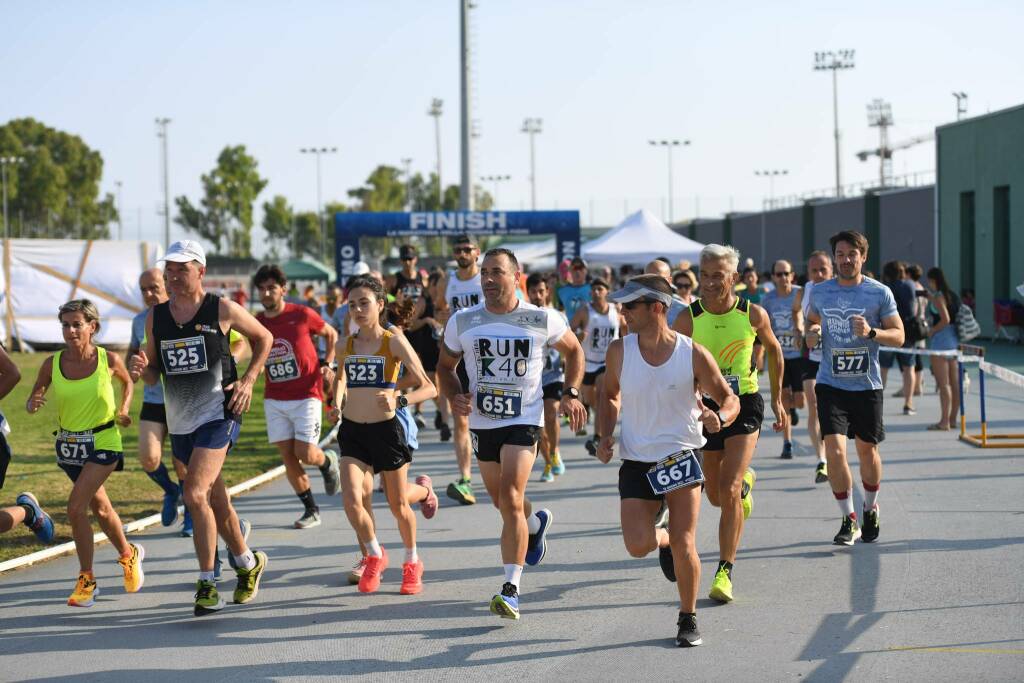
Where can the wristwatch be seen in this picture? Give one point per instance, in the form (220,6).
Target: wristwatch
(872,333)
(402,401)
(571,392)
(332,365)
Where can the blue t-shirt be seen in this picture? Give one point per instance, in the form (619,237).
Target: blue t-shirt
(675,309)
(849,362)
(150,394)
(574,297)
(780,312)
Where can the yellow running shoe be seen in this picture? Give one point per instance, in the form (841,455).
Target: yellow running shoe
(132,567)
(85,592)
(547,475)
(721,587)
(747,492)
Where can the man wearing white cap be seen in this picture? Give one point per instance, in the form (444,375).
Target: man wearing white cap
(187,347)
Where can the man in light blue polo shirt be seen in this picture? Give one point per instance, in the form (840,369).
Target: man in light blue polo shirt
(852,315)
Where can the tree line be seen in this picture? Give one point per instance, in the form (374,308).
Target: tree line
(54,192)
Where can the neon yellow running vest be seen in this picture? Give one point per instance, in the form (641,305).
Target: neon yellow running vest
(730,339)
(87,403)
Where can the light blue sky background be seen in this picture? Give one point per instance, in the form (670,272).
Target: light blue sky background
(734,77)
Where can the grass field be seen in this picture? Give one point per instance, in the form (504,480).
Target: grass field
(34,466)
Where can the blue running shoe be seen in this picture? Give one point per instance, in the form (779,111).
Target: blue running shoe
(169,513)
(186,526)
(246,526)
(557,466)
(42,525)
(537,546)
(506,603)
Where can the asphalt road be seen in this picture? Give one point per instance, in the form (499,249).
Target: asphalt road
(939,597)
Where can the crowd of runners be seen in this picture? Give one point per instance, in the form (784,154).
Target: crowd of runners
(676,358)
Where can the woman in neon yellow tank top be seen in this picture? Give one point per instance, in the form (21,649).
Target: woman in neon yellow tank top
(727,326)
(88,443)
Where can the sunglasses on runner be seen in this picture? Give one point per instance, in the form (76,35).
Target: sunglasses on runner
(463,250)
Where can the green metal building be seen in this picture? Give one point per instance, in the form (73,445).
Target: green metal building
(980,204)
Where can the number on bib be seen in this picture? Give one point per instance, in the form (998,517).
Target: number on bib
(282,369)
(850,362)
(734,383)
(74,448)
(184,356)
(364,371)
(787,341)
(676,471)
(497,403)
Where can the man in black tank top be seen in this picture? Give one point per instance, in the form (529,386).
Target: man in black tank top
(187,347)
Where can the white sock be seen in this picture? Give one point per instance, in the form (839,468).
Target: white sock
(246,560)
(533,523)
(411,556)
(513,574)
(373,548)
(846,504)
(870,498)
(206,576)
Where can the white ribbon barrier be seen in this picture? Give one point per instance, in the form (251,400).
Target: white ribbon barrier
(1008,376)
(929,352)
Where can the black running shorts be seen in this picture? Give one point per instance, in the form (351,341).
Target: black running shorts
(747,422)
(381,445)
(793,374)
(590,378)
(460,370)
(810,370)
(487,443)
(153,412)
(553,391)
(855,414)
(633,479)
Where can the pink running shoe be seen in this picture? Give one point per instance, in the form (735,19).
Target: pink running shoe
(429,504)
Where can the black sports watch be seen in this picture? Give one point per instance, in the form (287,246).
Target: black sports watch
(571,392)
(872,333)
(402,401)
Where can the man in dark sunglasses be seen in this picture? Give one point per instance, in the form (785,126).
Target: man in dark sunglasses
(779,304)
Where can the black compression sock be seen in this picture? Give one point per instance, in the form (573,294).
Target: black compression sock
(722,564)
(30,514)
(307,499)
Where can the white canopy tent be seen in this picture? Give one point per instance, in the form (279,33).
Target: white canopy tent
(640,238)
(39,275)
(537,255)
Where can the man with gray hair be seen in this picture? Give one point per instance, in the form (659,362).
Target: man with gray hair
(727,326)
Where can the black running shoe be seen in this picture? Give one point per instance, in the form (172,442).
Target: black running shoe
(420,422)
(438,421)
(688,635)
(591,445)
(787,450)
(820,473)
(794,417)
(668,568)
(446,432)
(848,532)
(869,532)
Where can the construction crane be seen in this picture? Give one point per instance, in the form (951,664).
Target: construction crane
(880,116)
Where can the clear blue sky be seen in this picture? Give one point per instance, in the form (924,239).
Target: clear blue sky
(736,78)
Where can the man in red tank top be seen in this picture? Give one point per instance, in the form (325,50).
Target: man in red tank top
(293,394)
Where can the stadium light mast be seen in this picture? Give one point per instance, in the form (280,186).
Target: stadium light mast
(771,175)
(436,105)
(407,163)
(4,163)
(120,205)
(669,145)
(161,132)
(466,125)
(880,117)
(961,104)
(318,151)
(834,62)
(532,127)
(497,180)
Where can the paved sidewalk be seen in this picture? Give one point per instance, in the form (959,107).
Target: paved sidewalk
(939,597)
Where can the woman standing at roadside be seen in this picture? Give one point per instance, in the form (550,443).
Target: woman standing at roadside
(943,337)
(88,441)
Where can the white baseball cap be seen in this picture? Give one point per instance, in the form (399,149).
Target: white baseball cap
(360,268)
(184,251)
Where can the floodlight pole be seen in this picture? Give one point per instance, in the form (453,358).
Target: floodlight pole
(496,179)
(318,151)
(834,61)
(435,111)
(531,127)
(161,124)
(669,145)
(120,220)
(961,104)
(407,163)
(770,175)
(466,185)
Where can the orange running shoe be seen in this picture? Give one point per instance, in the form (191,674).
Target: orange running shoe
(412,577)
(372,571)
(132,567)
(429,505)
(85,592)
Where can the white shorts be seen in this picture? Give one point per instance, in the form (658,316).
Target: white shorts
(299,420)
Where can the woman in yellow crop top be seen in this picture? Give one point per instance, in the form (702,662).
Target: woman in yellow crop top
(371,438)
(88,443)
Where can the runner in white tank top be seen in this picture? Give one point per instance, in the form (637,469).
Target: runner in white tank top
(819,269)
(653,376)
(596,325)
